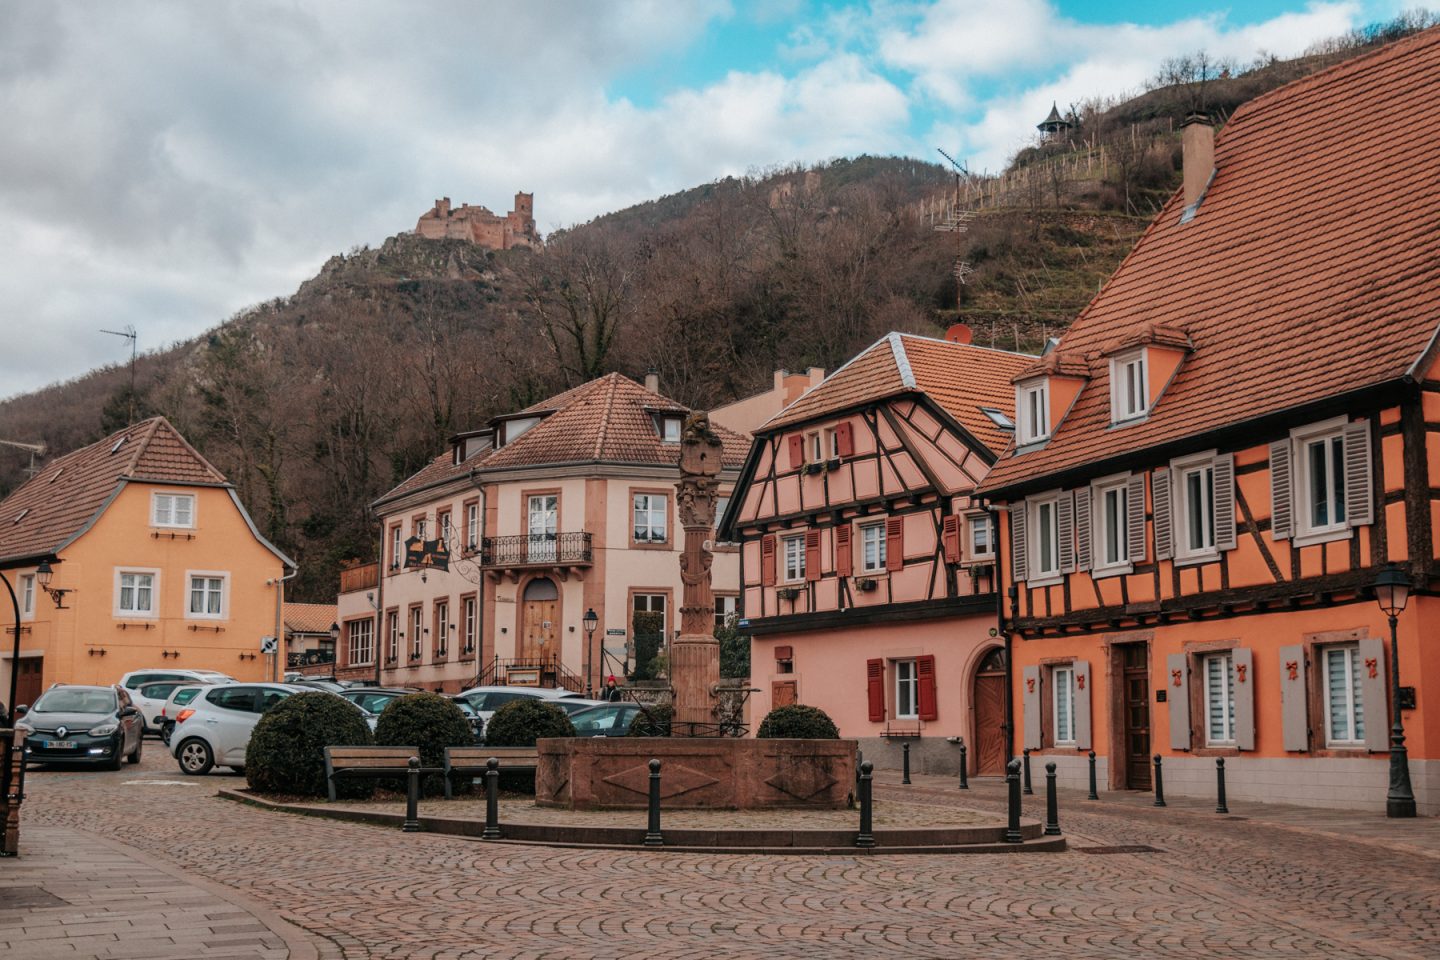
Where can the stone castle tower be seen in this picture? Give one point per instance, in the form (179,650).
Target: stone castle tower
(480,225)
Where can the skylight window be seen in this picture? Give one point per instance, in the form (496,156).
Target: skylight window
(21,515)
(998,418)
(118,444)
(56,475)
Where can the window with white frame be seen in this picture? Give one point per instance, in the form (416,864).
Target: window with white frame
(362,641)
(794,559)
(816,444)
(982,537)
(397,547)
(442,627)
(207,595)
(1129,387)
(1111,525)
(135,593)
(1063,704)
(392,635)
(27,595)
(467,640)
(907,690)
(417,632)
(1344,709)
(1219,699)
(1320,458)
(447,530)
(670,429)
(172,510)
(420,526)
(1044,537)
(832,443)
(651,513)
(472,525)
(726,606)
(1195,508)
(872,547)
(1032,406)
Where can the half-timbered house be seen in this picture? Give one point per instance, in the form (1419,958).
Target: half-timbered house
(1225,450)
(868,580)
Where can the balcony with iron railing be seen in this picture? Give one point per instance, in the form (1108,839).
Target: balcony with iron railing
(543,550)
(309,658)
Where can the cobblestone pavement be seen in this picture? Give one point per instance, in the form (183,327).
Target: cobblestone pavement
(1213,888)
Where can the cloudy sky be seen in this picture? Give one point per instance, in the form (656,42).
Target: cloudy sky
(165,164)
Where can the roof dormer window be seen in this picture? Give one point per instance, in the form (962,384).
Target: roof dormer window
(1032,403)
(670,429)
(1129,386)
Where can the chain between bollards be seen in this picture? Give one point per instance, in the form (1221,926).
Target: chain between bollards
(412,796)
(1029,790)
(492,800)
(1052,804)
(866,836)
(905,749)
(652,832)
(964,767)
(1220,805)
(1093,794)
(1159,783)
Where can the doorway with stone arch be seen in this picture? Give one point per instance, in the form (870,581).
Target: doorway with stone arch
(540,621)
(988,694)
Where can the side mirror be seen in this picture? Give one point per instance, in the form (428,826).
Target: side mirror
(21,710)
(128,711)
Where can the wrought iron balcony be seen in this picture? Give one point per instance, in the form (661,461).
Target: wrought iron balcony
(546,550)
(309,658)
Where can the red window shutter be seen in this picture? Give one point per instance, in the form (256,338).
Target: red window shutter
(875,689)
(895,543)
(925,673)
(845,439)
(844,558)
(950,534)
(767,560)
(797,451)
(812,555)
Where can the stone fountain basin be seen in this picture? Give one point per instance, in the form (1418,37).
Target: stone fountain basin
(613,773)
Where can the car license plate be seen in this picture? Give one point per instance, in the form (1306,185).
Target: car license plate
(57,744)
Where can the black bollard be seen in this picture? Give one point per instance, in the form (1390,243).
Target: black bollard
(1220,806)
(1012,785)
(866,836)
(1029,790)
(1052,803)
(652,833)
(492,800)
(964,767)
(412,797)
(1093,794)
(1159,784)
(905,749)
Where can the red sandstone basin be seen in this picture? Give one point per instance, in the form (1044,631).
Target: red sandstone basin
(599,773)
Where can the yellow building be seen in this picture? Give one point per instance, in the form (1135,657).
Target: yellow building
(152,562)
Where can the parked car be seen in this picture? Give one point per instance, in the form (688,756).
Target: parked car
(150,700)
(329,686)
(573,705)
(70,723)
(136,678)
(374,699)
(180,697)
(486,700)
(606,720)
(477,725)
(215,728)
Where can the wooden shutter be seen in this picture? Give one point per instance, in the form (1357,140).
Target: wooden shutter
(1082,704)
(925,674)
(844,556)
(1282,510)
(1160,492)
(1135,517)
(950,536)
(895,543)
(1083,516)
(1177,686)
(1359,497)
(1242,665)
(767,560)
(1294,696)
(812,554)
(1030,699)
(782,693)
(1017,541)
(1223,467)
(1065,525)
(875,689)
(1373,694)
(845,439)
(797,450)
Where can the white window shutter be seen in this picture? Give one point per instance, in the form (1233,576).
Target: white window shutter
(1242,666)
(1177,697)
(1282,498)
(1373,694)
(1065,524)
(1224,474)
(1082,704)
(1018,569)
(1160,491)
(1294,698)
(1359,498)
(1083,516)
(1135,517)
(1030,697)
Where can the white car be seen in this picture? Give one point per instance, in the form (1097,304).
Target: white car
(486,700)
(151,699)
(133,680)
(214,730)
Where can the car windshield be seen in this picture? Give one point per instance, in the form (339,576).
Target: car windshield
(157,691)
(573,706)
(598,718)
(76,701)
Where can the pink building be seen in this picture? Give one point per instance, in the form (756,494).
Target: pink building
(867,569)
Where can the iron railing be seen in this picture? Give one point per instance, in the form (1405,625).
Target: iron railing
(536,551)
(309,658)
(548,671)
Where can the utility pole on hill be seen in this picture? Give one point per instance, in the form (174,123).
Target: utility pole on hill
(129,334)
(36,450)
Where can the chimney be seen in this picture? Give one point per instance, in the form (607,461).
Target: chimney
(652,380)
(779,380)
(816,375)
(1198,140)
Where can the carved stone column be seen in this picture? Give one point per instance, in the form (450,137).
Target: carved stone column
(695,654)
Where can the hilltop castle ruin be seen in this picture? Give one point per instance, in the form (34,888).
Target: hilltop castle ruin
(480,225)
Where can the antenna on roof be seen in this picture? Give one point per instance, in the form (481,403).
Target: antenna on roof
(957,221)
(36,450)
(129,334)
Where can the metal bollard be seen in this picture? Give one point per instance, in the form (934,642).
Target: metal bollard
(905,749)
(1029,790)
(1012,785)
(412,797)
(1220,806)
(1159,784)
(964,767)
(652,832)
(492,800)
(1093,794)
(866,836)
(1052,804)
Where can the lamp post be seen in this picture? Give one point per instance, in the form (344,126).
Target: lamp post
(1392,591)
(15,652)
(590,622)
(335,645)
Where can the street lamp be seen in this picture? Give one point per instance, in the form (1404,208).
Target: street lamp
(590,622)
(15,653)
(1392,591)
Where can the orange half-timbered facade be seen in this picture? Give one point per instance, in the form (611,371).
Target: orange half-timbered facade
(868,578)
(1228,447)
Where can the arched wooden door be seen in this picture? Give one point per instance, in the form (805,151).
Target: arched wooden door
(989,698)
(539,621)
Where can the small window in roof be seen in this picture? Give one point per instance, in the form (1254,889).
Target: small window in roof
(56,475)
(118,444)
(999,418)
(21,515)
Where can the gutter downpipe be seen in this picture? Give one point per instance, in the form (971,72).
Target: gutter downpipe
(1000,596)
(280,623)
(380,640)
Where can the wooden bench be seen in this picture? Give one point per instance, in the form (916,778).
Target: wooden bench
(470,761)
(351,762)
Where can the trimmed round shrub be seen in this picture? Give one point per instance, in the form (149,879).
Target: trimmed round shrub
(521,722)
(657,724)
(797,722)
(430,722)
(286,754)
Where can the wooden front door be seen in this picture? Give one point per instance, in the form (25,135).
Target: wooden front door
(989,745)
(28,684)
(1135,689)
(537,640)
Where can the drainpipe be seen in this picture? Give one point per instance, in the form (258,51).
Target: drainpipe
(1000,597)
(380,639)
(279,586)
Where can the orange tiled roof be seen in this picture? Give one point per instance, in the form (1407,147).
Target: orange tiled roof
(439,470)
(960,378)
(1312,267)
(52,507)
(309,617)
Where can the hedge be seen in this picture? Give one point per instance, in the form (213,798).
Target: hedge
(797,722)
(287,748)
(430,722)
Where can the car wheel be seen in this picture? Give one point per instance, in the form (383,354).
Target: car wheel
(139,745)
(195,757)
(117,754)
